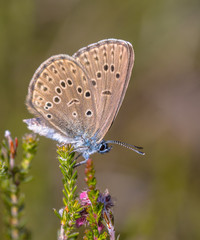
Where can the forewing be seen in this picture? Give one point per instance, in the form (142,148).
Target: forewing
(109,64)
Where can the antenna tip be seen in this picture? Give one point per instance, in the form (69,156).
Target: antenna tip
(141,153)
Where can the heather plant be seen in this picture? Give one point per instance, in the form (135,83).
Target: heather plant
(90,209)
(13,174)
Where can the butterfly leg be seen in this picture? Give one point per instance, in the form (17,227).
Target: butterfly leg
(80,163)
(78,156)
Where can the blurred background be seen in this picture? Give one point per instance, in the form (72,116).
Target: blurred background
(157,196)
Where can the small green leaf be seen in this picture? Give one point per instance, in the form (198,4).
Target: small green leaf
(57,213)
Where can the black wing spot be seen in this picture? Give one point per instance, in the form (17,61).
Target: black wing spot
(98,74)
(87,94)
(74,114)
(69,81)
(53,69)
(105,67)
(88,113)
(94,83)
(117,75)
(106,92)
(45,89)
(39,84)
(62,83)
(58,90)
(73,101)
(79,90)
(45,75)
(49,104)
(56,99)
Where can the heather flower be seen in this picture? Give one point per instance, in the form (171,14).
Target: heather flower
(105,199)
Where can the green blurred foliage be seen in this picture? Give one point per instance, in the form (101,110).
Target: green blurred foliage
(157,196)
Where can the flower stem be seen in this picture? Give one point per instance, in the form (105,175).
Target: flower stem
(12,175)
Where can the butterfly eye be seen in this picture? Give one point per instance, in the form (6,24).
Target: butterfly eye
(104,148)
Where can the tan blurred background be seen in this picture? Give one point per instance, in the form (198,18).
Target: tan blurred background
(156,196)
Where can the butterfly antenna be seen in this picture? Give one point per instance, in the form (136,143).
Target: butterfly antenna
(126,145)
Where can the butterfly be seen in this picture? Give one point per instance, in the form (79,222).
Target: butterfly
(76,98)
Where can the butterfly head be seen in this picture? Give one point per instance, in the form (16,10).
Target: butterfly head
(104,146)
(89,147)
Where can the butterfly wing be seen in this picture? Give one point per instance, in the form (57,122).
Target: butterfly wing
(60,96)
(109,64)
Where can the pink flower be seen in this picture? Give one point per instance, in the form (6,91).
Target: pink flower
(107,202)
(81,221)
(100,227)
(84,198)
